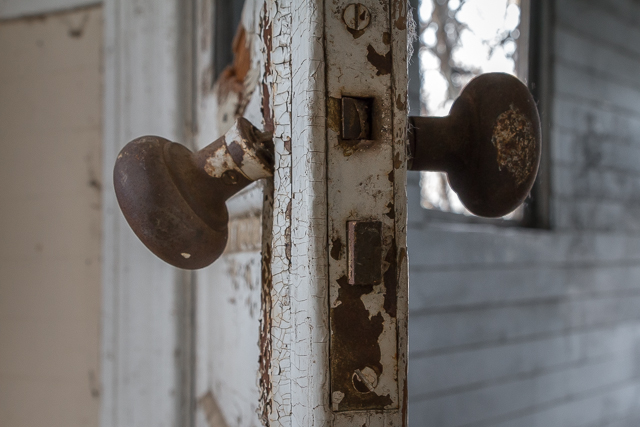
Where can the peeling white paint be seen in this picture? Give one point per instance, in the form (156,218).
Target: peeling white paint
(295,89)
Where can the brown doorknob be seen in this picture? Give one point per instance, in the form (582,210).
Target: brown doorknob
(174,199)
(489,144)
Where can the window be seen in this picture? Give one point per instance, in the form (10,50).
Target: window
(226,16)
(457,41)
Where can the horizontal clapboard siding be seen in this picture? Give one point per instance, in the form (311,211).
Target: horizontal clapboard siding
(541,328)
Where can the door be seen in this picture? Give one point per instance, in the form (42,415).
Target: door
(303,320)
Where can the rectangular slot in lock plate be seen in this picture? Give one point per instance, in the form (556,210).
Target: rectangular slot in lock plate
(364,252)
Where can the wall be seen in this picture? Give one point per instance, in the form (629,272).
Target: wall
(514,327)
(50,219)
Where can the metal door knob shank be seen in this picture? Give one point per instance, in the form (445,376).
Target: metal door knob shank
(174,199)
(489,144)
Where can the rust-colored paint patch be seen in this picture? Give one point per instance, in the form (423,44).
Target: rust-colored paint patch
(267,38)
(382,63)
(515,144)
(386,38)
(336,248)
(396,161)
(354,348)
(264,361)
(232,78)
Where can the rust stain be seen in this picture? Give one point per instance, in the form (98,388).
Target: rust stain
(386,38)
(400,12)
(391,280)
(396,161)
(267,38)
(401,103)
(354,346)
(405,402)
(336,248)
(264,382)
(391,175)
(402,257)
(392,212)
(264,361)
(355,33)
(334,113)
(515,143)
(382,63)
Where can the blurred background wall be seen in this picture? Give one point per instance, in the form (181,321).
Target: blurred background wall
(539,327)
(50,218)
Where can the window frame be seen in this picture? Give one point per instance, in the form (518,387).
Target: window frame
(536,213)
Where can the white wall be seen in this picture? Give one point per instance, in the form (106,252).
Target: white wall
(529,328)
(50,219)
(10,9)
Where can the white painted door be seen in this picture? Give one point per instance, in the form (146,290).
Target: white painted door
(303,320)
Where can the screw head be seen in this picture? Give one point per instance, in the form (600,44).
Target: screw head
(356,16)
(365,380)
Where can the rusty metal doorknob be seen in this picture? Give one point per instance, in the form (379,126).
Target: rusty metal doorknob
(489,144)
(174,199)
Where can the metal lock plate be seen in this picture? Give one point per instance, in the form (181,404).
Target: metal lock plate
(365,156)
